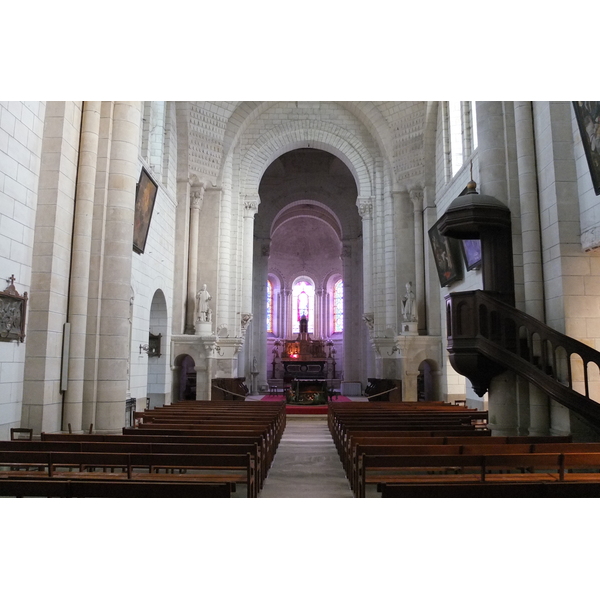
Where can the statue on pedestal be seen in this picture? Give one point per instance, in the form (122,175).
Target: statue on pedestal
(204,311)
(409,309)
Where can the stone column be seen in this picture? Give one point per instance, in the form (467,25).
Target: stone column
(433,319)
(389,265)
(503,414)
(246,352)
(250,209)
(365,210)
(320,315)
(260,331)
(80,264)
(116,290)
(351,332)
(416,195)
(288,313)
(539,406)
(196,200)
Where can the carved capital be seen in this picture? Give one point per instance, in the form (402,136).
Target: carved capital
(197,197)
(416,195)
(365,208)
(251,205)
(266,249)
(246,318)
(346,251)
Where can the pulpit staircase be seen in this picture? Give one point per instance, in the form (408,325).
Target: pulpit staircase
(487,337)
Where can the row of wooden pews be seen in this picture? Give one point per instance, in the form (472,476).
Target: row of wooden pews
(189,449)
(438,450)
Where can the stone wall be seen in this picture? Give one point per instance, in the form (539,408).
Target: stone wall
(21,130)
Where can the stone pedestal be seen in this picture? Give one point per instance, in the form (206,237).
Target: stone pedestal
(410,328)
(203,329)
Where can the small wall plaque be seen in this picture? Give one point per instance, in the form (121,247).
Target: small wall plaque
(13,310)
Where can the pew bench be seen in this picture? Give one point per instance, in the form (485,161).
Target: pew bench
(473,468)
(513,489)
(198,468)
(141,447)
(64,488)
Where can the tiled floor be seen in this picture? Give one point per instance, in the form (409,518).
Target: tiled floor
(306,464)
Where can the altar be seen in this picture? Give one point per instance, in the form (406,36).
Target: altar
(303,358)
(307,392)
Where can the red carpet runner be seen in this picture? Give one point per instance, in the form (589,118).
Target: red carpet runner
(318,409)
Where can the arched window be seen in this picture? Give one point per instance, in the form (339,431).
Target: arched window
(269,307)
(459,134)
(456,135)
(338,306)
(303,301)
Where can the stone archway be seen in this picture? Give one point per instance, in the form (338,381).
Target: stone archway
(158,385)
(184,378)
(426,389)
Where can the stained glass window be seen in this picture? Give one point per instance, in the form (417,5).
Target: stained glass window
(303,296)
(338,306)
(269,307)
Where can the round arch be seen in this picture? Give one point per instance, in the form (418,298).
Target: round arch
(289,136)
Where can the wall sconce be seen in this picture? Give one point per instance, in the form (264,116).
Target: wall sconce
(152,348)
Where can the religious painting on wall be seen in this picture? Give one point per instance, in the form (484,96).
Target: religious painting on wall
(145,198)
(472,253)
(588,119)
(446,252)
(13,307)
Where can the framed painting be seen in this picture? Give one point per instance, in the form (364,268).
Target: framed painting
(588,119)
(145,197)
(446,253)
(471,253)
(13,310)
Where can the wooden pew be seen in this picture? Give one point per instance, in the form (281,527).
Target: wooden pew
(64,488)
(475,468)
(140,446)
(546,489)
(462,449)
(235,468)
(372,444)
(212,437)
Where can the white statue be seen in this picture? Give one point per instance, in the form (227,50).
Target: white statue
(202,299)
(409,309)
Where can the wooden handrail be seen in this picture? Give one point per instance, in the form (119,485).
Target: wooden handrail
(228,391)
(507,338)
(381,393)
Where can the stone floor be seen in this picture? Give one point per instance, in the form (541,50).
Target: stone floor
(306,464)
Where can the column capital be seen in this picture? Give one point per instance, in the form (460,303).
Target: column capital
(346,251)
(416,195)
(251,203)
(245,321)
(197,196)
(365,207)
(265,249)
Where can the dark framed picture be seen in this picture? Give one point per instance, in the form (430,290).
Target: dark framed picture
(145,198)
(13,310)
(446,253)
(472,253)
(588,119)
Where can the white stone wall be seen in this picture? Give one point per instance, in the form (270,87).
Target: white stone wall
(154,270)
(21,130)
